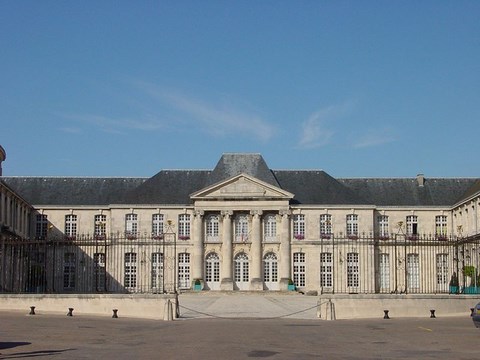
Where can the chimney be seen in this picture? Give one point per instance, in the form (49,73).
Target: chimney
(420,179)
(3,156)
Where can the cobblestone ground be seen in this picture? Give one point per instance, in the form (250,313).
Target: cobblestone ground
(47,336)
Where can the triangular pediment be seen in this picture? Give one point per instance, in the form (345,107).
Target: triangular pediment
(241,186)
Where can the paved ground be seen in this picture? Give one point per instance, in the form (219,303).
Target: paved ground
(198,336)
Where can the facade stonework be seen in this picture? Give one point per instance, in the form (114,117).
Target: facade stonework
(243,226)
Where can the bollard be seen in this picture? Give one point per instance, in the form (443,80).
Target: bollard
(114,316)
(168,311)
(471,311)
(432,314)
(70,312)
(386,314)
(32,310)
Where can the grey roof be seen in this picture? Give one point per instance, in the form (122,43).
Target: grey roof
(317,187)
(73,190)
(232,164)
(174,187)
(407,192)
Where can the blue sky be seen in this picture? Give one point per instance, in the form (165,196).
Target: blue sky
(356,88)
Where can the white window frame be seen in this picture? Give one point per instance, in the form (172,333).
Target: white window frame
(100,226)
(299,266)
(413,272)
(71,226)
(412,225)
(212,267)
(212,226)
(270,267)
(130,270)
(184,270)
(270,227)
(325,226)
(441,262)
(184,226)
(353,270)
(99,271)
(157,225)
(241,228)
(441,226)
(384,272)
(326,269)
(382,221)
(299,226)
(352,225)
(242,268)
(131,225)
(156,280)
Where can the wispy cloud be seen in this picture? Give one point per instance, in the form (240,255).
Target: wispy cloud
(216,119)
(111,125)
(374,138)
(316,131)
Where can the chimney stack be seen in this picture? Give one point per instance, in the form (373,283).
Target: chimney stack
(420,179)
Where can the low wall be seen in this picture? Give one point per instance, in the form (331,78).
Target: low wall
(138,306)
(373,306)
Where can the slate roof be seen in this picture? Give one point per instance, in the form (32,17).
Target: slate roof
(407,192)
(174,187)
(72,190)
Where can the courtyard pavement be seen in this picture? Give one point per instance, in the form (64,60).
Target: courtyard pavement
(235,326)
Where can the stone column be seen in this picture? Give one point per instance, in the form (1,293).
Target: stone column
(227,252)
(198,253)
(256,281)
(285,250)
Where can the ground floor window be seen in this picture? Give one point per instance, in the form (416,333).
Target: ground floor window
(212,268)
(157,272)
(326,269)
(270,268)
(384,272)
(69,270)
(442,272)
(353,270)
(99,270)
(184,270)
(413,272)
(299,269)
(130,270)
(241,268)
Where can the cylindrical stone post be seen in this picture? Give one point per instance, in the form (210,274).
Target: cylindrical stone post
(256,282)
(285,267)
(198,258)
(227,246)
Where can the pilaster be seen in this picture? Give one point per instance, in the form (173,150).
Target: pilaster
(285,250)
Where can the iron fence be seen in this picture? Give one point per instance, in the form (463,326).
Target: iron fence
(146,264)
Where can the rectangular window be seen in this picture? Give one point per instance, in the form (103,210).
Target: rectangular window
(270,227)
(382,222)
(326,270)
(157,225)
(412,226)
(299,226)
(131,226)
(241,228)
(442,272)
(100,226)
(299,269)
(157,272)
(71,226)
(69,271)
(184,270)
(413,272)
(353,271)
(352,226)
(212,228)
(41,227)
(384,272)
(184,226)
(441,227)
(325,226)
(99,271)
(130,271)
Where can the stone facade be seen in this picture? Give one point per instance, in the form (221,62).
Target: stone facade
(243,226)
